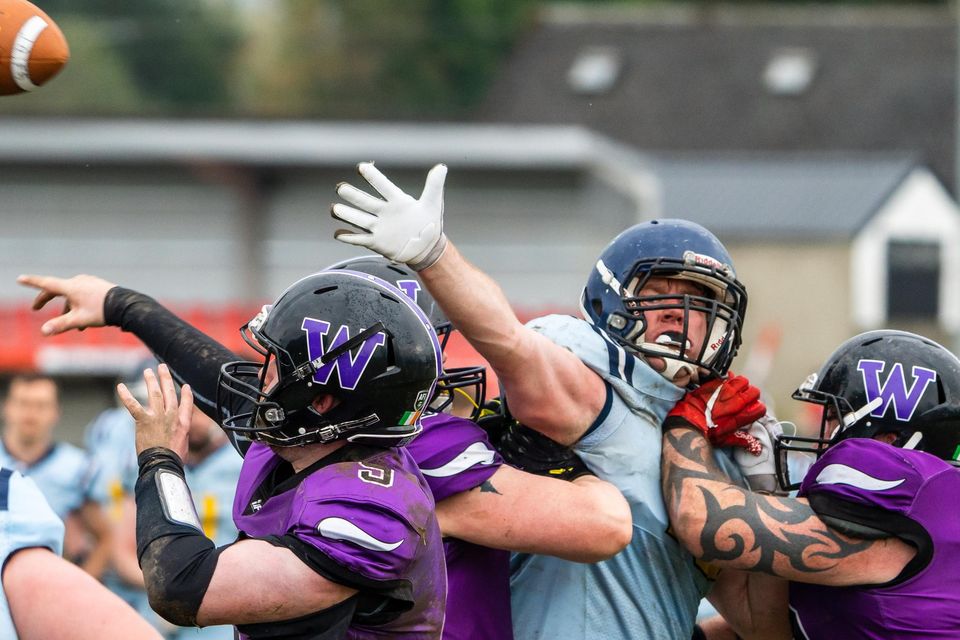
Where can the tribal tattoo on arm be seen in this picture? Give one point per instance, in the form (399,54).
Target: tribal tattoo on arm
(732,527)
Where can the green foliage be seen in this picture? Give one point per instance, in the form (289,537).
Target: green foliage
(103,88)
(178,54)
(374,58)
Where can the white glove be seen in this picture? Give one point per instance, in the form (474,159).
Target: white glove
(760,470)
(398,227)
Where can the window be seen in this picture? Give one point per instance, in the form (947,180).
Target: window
(913,280)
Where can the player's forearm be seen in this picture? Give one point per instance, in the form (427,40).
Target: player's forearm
(549,389)
(97,560)
(477,307)
(193,357)
(734,528)
(769,618)
(753,605)
(582,521)
(97,524)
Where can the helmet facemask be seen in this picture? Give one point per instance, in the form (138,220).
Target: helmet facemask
(718,306)
(346,357)
(459,386)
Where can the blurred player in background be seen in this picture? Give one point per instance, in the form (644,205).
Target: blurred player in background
(485,507)
(63,472)
(338,530)
(43,595)
(662,311)
(110,440)
(871,544)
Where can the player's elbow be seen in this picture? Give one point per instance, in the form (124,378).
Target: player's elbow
(611,523)
(170,604)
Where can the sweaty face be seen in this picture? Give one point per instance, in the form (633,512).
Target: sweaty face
(665,326)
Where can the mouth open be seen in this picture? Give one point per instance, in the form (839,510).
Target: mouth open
(673,340)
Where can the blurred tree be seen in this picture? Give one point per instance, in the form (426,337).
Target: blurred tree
(102,89)
(180,54)
(376,59)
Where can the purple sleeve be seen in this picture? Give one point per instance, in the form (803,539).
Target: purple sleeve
(868,473)
(454,455)
(365,539)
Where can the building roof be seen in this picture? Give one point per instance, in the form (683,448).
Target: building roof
(695,78)
(305,143)
(754,196)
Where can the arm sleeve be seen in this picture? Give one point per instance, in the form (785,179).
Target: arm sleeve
(194,357)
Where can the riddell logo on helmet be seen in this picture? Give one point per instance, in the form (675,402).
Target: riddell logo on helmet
(700,259)
(714,346)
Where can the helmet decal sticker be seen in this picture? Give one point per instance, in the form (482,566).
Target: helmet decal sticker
(843,474)
(894,389)
(409,287)
(349,368)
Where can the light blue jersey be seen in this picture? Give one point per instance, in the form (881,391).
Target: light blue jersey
(213,483)
(26,520)
(652,588)
(110,439)
(64,474)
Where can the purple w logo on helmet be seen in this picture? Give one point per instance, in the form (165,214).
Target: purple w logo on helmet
(894,389)
(409,287)
(349,367)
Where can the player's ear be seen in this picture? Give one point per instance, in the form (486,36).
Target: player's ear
(324,402)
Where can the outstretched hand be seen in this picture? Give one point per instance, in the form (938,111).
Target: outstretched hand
(83,298)
(721,408)
(164,422)
(398,227)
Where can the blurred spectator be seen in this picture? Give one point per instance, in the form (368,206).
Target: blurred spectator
(109,439)
(63,472)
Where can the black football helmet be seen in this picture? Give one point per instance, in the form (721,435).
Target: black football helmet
(343,333)
(469,382)
(670,249)
(882,382)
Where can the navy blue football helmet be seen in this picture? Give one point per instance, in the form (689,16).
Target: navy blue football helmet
(470,383)
(882,382)
(668,248)
(340,333)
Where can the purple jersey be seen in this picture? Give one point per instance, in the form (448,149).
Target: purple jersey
(896,490)
(370,515)
(454,455)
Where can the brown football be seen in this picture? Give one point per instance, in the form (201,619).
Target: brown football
(32,47)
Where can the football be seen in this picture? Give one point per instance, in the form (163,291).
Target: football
(32,47)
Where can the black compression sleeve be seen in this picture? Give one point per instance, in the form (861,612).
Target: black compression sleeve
(177,559)
(194,357)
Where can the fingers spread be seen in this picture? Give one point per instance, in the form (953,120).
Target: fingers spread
(186,405)
(356,239)
(379,181)
(154,393)
(131,403)
(43,298)
(167,388)
(356,217)
(359,198)
(433,188)
(41,282)
(58,325)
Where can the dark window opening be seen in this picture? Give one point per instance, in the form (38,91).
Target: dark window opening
(913,280)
